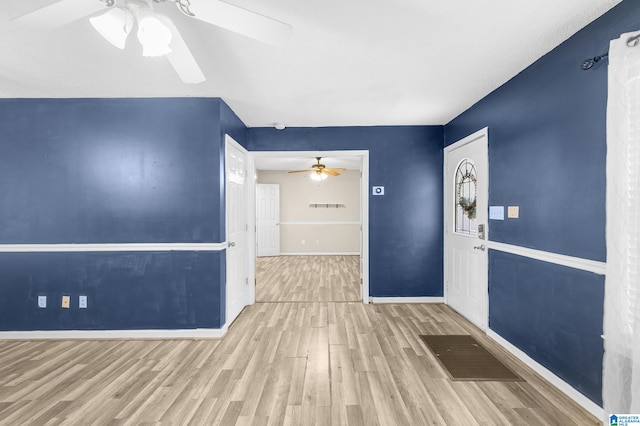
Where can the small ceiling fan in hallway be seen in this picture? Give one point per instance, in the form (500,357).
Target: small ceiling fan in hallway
(320,171)
(156,32)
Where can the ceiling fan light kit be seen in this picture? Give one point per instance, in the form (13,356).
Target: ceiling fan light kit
(320,172)
(319,176)
(116,24)
(157,33)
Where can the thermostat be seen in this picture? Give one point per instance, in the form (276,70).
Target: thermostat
(377,190)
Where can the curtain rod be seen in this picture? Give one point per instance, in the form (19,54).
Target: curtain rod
(590,62)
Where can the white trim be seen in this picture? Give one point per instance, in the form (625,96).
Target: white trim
(32,248)
(196,333)
(252,243)
(545,256)
(556,381)
(316,253)
(327,222)
(482,133)
(364,228)
(407,300)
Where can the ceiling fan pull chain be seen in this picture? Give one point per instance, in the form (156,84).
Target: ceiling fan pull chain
(183,5)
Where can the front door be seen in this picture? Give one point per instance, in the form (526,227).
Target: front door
(466,175)
(236,220)
(268,219)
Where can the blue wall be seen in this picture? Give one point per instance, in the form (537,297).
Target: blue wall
(547,147)
(125,290)
(109,171)
(113,171)
(552,313)
(405,225)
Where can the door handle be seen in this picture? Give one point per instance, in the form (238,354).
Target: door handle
(480,247)
(232,244)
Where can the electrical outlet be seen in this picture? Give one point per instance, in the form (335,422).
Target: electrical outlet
(317,242)
(42,301)
(303,242)
(66,302)
(82,302)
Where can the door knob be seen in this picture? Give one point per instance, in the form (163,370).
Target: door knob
(480,247)
(232,244)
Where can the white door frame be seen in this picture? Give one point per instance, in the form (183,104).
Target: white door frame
(364,206)
(449,215)
(247,189)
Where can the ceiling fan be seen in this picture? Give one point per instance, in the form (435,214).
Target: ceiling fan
(156,32)
(320,171)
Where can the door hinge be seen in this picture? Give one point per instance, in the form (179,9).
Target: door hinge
(246,281)
(246,226)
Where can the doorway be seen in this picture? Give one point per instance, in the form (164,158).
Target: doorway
(466,194)
(361,251)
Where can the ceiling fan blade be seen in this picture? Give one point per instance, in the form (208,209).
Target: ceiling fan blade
(60,13)
(180,56)
(331,172)
(337,169)
(241,21)
(301,171)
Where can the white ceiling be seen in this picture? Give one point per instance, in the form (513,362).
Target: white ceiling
(286,162)
(355,62)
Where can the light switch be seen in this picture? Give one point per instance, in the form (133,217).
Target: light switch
(42,301)
(82,302)
(513,212)
(496,212)
(66,301)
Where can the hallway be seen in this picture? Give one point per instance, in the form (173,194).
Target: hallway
(308,279)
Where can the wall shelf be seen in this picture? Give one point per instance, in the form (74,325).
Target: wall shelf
(327,205)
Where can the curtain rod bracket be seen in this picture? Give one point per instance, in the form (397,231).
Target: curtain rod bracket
(590,62)
(633,41)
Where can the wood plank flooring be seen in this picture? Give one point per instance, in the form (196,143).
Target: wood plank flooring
(308,279)
(292,363)
(280,363)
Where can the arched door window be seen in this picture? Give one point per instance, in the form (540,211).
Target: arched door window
(465,198)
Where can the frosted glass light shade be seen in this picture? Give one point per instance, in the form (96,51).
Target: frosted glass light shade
(112,25)
(318,176)
(154,36)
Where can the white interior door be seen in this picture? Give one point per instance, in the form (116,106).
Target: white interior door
(268,219)
(236,228)
(466,175)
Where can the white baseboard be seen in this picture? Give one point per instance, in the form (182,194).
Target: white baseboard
(339,253)
(196,333)
(556,381)
(406,299)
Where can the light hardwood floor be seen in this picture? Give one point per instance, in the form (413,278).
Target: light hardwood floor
(291,363)
(308,279)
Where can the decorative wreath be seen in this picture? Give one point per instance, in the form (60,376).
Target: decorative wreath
(469,207)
